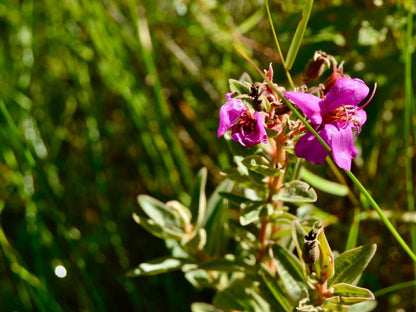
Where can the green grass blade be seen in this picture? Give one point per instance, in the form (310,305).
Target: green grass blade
(407,135)
(300,31)
(279,50)
(353,230)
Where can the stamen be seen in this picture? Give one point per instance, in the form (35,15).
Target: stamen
(371,97)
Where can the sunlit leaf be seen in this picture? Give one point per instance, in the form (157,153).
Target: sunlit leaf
(214,226)
(159,212)
(158,266)
(204,307)
(288,260)
(198,200)
(321,184)
(253,212)
(351,263)
(239,87)
(261,165)
(365,306)
(298,236)
(274,291)
(300,31)
(227,266)
(326,259)
(234,198)
(296,192)
(240,296)
(292,285)
(351,292)
(164,232)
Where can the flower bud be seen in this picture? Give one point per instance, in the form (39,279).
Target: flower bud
(316,66)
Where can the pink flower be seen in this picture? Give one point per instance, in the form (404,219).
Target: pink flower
(246,128)
(337,118)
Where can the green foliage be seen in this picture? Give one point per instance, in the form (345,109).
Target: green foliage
(293,283)
(350,264)
(104,100)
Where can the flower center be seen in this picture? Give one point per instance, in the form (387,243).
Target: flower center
(247,122)
(344,116)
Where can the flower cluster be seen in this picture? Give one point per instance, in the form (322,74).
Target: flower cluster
(335,114)
(246,128)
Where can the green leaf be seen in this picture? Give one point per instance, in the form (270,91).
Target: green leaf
(199,279)
(227,266)
(198,200)
(164,232)
(289,262)
(296,192)
(182,211)
(240,296)
(350,264)
(216,200)
(261,165)
(234,198)
(351,293)
(365,306)
(326,259)
(298,236)
(253,212)
(300,31)
(158,266)
(239,87)
(159,212)
(250,179)
(196,242)
(204,307)
(274,292)
(324,185)
(290,271)
(216,218)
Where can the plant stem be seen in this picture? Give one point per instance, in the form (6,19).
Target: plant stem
(382,215)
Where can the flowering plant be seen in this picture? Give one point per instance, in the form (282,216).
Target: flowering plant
(280,261)
(258,240)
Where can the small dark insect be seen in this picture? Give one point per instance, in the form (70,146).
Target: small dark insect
(310,251)
(254,95)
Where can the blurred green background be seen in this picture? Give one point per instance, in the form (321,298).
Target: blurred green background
(103,100)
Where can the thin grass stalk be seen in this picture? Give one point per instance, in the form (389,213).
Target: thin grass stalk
(407,125)
(353,230)
(300,32)
(289,77)
(165,118)
(394,288)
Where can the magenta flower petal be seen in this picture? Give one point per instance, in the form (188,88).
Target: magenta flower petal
(361,117)
(240,137)
(342,146)
(308,103)
(259,134)
(338,116)
(346,91)
(253,136)
(230,112)
(311,149)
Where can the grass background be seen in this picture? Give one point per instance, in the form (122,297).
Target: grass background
(103,100)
